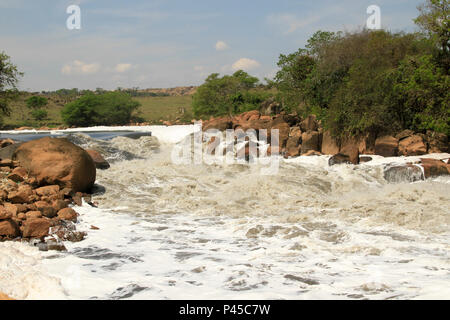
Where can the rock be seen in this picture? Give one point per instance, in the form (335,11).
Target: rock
(365,159)
(8,228)
(309,124)
(386,146)
(21,172)
(329,144)
(310,141)
(12,208)
(45,208)
(435,168)
(68,214)
(412,146)
(270,107)
(36,228)
(100,162)
(404,134)
(7,152)
(57,161)
(48,190)
(22,195)
(311,153)
(405,173)
(293,144)
(350,149)
(59,204)
(220,124)
(6,142)
(5,213)
(33,215)
(78,199)
(15,177)
(438,142)
(247,116)
(6,163)
(283,133)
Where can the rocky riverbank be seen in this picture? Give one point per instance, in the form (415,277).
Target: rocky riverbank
(38,184)
(306,137)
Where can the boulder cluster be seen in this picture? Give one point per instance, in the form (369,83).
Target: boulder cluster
(38,185)
(306,137)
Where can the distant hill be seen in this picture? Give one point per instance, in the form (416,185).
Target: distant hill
(177,91)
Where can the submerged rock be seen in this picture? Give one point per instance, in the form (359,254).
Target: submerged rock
(405,173)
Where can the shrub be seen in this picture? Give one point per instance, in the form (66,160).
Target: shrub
(112,108)
(39,114)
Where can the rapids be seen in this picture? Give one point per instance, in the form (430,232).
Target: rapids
(311,231)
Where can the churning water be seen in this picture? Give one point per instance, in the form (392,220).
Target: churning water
(227,232)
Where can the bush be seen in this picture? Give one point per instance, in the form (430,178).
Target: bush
(39,114)
(112,108)
(227,95)
(36,102)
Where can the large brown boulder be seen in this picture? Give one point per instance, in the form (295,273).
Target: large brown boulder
(386,146)
(438,142)
(412,146)
(57,161)
(36,228)
(349,154)
(293,144)
(435,168)
(310,141)
(309,124)
(8,228)
(329,144)
(220,124)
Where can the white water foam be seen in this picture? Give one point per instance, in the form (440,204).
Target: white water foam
(225,232)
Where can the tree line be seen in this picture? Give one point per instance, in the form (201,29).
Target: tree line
(354,82)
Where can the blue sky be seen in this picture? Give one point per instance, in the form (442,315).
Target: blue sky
(167,43)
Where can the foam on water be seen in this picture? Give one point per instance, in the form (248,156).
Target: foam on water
(226,232)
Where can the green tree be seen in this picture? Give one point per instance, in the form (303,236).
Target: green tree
(112,108)
(227,95)
(9,77)
(36,102)
(434,19)
(39,114)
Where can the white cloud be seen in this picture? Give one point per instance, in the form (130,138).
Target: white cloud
(245,64)
(122,67)
(221,45)
(79,67)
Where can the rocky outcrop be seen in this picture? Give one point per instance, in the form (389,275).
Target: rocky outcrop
(329,144)
(435,168)
(349,154)
(386,146)
(306,136)
(438,142)
(310,141)
(30,211)
(413,145)
(294,142)
(6,142)
(100,162)
(57,161)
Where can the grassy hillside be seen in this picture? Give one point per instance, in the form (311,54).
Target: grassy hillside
(153,110)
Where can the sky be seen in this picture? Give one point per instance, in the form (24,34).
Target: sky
(168,43)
